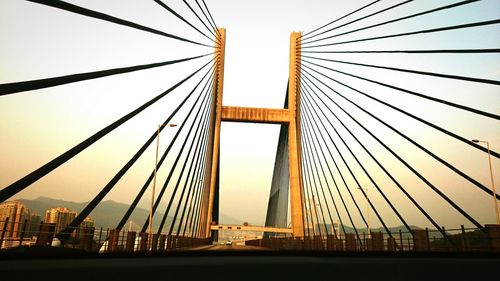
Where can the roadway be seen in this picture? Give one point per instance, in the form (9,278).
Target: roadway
(228,248)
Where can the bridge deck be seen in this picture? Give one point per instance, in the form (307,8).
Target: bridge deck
(251,228)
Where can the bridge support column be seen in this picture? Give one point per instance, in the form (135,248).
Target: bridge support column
(294,148)
(161,242)
(334,243)
(154,242)
(169,242)
(289,116)
(114,236)
(143,246)
(493,231)
(86,238)
(130,242)
(420,240)
(391,244)
(45,234)
(217,103)
(376,242)
(350,242)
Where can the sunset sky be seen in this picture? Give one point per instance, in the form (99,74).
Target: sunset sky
(36,126)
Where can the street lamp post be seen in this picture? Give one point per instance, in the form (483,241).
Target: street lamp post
(495,201)
(154,181)
(367,211)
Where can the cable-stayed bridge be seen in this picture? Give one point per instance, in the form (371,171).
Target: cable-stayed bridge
(335,140)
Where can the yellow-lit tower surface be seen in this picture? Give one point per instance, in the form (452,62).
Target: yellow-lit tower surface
(288,116)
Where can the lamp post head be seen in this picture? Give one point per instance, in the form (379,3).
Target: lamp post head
(172,125)
(476,141)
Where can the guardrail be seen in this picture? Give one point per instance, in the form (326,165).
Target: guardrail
(14,234)
(420,240)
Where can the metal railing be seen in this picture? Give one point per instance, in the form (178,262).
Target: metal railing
(14,234)
(419,240)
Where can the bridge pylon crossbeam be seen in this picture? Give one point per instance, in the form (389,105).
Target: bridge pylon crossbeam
(290,117)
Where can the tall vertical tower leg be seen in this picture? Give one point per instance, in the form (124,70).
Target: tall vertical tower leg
(294,148)
(219,83)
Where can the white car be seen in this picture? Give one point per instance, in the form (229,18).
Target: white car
(229,243)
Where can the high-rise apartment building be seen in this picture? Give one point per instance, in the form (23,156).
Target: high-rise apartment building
(33,227)
(61,216)
(17,213)
(87,222)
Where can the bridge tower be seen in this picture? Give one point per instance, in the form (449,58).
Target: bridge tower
(288,118)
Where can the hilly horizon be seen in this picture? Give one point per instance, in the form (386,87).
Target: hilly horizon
(108,213)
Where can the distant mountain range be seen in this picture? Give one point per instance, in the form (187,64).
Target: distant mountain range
(106,215)
(109,213)
(394,231)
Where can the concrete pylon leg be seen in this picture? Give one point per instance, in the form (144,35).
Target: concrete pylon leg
(493,232)
(289,117)
(219,83)
(296,194)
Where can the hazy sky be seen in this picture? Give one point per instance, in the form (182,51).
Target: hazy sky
(36,126)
